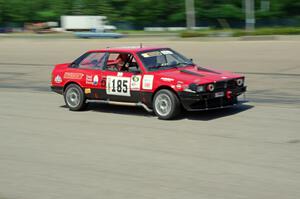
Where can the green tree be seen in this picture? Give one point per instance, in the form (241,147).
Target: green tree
(139,13)
(291,8)
(1,12)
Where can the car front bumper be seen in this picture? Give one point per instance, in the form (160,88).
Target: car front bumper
(210,100)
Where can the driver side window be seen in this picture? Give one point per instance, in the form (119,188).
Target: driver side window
(121,62)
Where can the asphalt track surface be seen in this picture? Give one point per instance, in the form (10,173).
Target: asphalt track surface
(114,152)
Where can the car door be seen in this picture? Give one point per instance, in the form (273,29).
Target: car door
(86,71)
(121,85)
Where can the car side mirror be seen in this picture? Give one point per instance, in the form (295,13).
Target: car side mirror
(73,65)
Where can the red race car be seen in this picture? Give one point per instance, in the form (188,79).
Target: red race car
(158,79)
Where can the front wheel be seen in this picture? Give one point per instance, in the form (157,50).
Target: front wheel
(74,97)
(166,104)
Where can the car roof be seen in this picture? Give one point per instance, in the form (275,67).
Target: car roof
(127,49)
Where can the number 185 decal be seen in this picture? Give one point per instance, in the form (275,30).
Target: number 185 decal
(118,86)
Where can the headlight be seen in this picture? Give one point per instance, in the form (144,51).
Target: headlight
(240,82)
(210,87)
(200,89)
(195,88)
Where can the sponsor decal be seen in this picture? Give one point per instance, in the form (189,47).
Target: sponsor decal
(145,55)
(166,79)
(89,79)
(95,80)
(120,74)
(224,77)
(92,80)
(136,78)
(87,91)
(68,75)
(148,82)
(151,54)
(135,83)
(58,79)
(118,86)
(166,52)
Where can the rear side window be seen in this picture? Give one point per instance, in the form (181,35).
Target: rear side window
(92,61)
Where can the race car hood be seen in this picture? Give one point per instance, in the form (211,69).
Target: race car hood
(196,74)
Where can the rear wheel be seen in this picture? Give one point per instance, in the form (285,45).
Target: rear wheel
(74,97)
(166,104)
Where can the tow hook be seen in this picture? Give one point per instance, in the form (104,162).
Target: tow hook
(229,94)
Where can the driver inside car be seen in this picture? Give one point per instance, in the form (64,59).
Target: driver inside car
(122,62)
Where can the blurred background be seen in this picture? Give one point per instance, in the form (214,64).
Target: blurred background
(205,17)
(112,152)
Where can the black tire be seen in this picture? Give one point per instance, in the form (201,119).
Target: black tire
(75,98)
(172,108)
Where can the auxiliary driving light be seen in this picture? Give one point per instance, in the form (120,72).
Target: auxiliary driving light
(210,87)
(239,82)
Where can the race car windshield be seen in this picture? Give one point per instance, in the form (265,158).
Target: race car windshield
(163,59)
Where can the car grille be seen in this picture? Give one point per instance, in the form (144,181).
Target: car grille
(231,84)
